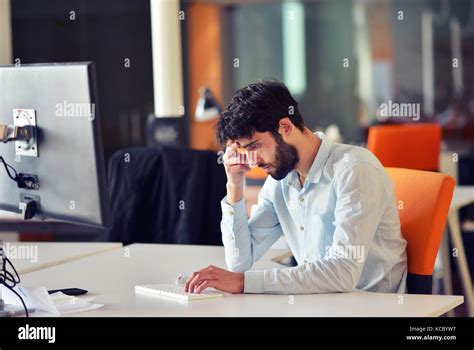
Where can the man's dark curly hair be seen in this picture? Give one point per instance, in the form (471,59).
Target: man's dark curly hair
(257,107)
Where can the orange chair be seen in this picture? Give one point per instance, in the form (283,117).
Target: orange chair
(412,146)
(256,174)
(423,200)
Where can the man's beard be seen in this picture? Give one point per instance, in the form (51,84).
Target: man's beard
(286,157)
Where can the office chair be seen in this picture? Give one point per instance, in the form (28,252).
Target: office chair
(417,146)
(423,200)
(165,195)
(256,174)
(411,146)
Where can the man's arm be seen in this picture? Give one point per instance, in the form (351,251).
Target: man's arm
(361,201)
(245,241)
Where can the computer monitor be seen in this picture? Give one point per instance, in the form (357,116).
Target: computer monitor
(61,163)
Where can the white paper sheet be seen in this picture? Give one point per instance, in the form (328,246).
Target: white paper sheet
(53,305)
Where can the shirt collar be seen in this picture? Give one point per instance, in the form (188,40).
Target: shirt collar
(316,170)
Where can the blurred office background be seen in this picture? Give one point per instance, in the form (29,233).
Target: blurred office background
(342,59)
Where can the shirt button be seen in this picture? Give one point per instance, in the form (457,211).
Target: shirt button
(231,212)
(302,200)
(301,227)
(306,261)
(231,237)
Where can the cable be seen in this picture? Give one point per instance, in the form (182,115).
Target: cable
(9,279)
(27,181)
(7,166)
(8,276)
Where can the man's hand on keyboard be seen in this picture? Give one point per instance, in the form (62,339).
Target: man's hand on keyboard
(215,277)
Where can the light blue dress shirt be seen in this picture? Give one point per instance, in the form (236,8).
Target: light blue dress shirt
(342,227)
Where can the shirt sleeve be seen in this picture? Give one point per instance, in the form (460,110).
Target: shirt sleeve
(361,201)
(246,240)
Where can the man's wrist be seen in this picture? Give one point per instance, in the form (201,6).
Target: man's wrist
(242,281)
(235,193)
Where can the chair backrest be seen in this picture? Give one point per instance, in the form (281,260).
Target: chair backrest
(412,146)
(165,195)
(423,200)
(256,174)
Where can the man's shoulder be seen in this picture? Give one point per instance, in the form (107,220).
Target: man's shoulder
(345,158)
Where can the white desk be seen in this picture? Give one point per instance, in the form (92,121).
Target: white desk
(33,256)
(462,196)
(111,276)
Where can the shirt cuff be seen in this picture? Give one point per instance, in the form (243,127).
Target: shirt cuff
(231,210)
(253,282)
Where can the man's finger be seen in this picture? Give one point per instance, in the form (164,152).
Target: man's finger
(205,284)
(190,286)
(188,281)
(230,150)
(197,285)
(186,284)
(198,277)
(237,168)
(232,144)
(235,158)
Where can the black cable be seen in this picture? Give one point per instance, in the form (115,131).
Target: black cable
(6,165)
(8,276)
(21,299)
(9,279)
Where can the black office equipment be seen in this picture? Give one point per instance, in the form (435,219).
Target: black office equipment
(69,291)
(166,195)
(52,151)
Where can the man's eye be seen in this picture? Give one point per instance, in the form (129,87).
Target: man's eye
(254,146)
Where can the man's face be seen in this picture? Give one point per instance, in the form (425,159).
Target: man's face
(271,152)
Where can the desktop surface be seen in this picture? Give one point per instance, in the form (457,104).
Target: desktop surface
(112,276)
(33,256)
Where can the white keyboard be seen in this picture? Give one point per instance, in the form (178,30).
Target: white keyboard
(174,291)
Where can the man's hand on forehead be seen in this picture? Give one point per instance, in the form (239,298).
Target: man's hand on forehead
(240,155)
(233,144)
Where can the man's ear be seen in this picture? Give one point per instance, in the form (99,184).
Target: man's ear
(285,127)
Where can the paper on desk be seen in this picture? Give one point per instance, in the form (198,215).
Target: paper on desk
(37,298)
(56,304)
(60,297)
(69,304)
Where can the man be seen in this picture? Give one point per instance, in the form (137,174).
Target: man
(334,203)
